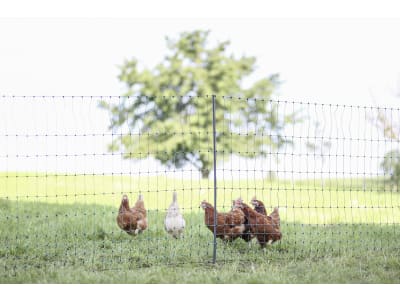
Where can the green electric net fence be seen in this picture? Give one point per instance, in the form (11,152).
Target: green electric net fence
(332,171)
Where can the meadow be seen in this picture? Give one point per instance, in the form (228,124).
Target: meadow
(61,228)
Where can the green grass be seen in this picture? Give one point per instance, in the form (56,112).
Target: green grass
(63,229)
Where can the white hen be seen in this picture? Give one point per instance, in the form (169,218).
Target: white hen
(174,221)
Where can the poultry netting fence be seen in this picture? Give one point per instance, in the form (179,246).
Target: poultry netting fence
(91,182)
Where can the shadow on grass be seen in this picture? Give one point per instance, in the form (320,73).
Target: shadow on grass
(50,236)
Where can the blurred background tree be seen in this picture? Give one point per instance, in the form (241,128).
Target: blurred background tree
(163,101)
(390,128)
(391,165)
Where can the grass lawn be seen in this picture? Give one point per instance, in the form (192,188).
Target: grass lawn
(56,228)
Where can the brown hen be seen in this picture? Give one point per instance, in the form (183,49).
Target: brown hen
(261,226)
(229,225)
(132,220)
(246,235)
(260,208)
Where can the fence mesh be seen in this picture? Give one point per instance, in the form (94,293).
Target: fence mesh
(66,162)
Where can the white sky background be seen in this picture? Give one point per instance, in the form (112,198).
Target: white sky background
(337,61)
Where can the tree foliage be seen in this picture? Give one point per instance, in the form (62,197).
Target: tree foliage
(389,126)
(175,96)
(391,166)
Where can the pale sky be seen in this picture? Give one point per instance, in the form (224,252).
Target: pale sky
(330,61)
(337,61)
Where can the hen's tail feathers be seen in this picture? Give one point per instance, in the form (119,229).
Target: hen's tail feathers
(142,224)
(174,197)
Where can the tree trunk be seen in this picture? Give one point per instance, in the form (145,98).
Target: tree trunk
(205,173)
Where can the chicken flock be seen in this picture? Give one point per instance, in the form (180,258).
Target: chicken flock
(241,221)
